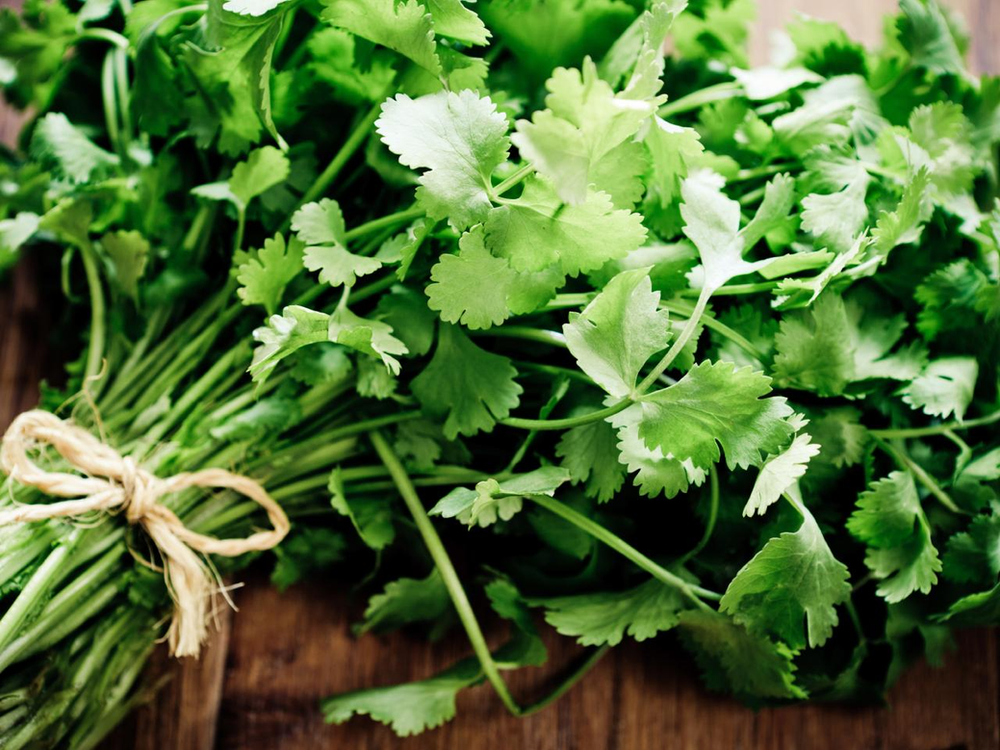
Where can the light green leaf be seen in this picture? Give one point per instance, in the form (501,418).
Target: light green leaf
(537,231)
(264,276)
(655,473)
(454,20)
(128,251)
(58,142)
(493,500)
(780,472)
(405,27)
(945,387)
(459,138)
(284,334)
(371,337)
(618,331)
(712,405)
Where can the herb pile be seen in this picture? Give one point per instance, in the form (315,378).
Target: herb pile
(659,343)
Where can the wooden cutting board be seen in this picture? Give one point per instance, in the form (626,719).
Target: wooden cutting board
(257,685)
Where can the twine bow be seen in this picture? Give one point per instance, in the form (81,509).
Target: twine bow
(115,482)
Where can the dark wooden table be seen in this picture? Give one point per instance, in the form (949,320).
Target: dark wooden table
(256,686)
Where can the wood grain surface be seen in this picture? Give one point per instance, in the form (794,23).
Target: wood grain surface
(257,685)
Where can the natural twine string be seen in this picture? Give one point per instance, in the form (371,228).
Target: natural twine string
(115,482)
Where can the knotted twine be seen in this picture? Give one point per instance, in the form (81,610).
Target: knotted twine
(115,482)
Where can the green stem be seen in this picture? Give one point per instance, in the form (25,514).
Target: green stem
(445,568)
(922,476)
(716,93)
(521,174)
(103,35)
(682,308)
(739,289)
(347,150)
(564,301)
(376,225)
(241,225)
(916,432)
(121,86)
(763,171)
(367,425)
(109,98)
(713,515)
(568,682)
(554,338)
(689,328)
(626,550)
(569,422)
(95,350)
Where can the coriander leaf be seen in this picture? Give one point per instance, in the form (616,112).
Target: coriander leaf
(794,578)
(129,252)
(324,363)
(493,499)
(814,348)
(672,149)
(944,387)
(537,231)
(589,454)
(735,659)
(973,556)
(405,27)
(375,381)
(69,220)
(949,298)
(780,472)
(14,233)
(545,35)
(320,223)
(618,331)
(409,708)
(712,223)
(779,195)
(604,618)
(371,337)
(283,335)
(469,387)
(411,320)
(525,647)
(260,171)
(472,287)
(409,600)
(891,522)
(926,34)
(767,82)
(264,276)
(836,219)
(585,120)
(371,515)
(654,472)
(306,551)
(903,225)
(454,20)
(251,7)
(56,141)
(712,405)
(337,266)
(232,72)
(459,139)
